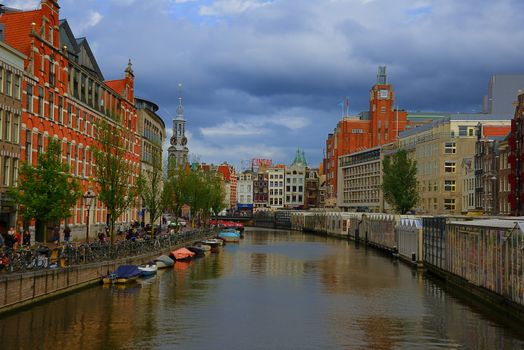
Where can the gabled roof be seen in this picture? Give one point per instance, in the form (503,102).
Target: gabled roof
(88,60)
(118,85)
(67,38)
(18,26)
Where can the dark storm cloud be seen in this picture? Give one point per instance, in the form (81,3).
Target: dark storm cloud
(262,78)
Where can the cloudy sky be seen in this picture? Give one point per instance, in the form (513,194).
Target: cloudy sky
(264,77)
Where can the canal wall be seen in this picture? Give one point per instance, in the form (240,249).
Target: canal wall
(483,257)
(22,289)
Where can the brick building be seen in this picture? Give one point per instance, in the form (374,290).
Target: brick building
(11,76)
(516,159)
(65,95)
(380,125)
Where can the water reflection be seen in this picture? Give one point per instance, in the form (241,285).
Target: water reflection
(273,290)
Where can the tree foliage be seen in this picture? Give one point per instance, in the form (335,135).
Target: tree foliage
(150,186)
(46,192)
(114,173)
(202,191)
(400,181)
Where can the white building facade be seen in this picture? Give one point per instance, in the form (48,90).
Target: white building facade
(276,187)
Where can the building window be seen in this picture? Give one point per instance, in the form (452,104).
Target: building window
(29,99)
(6,171)
(1,80)
(41,101)
(449,167)
(449,203)
(60,110)
(7,127)
(69,115)
(8,83)
(16,91)
(28,150)
(449,185)
(16,123)
(51,73)
(40,145)
(15,171)
(51,106)
(450,148)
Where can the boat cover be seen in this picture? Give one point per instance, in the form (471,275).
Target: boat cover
(229,234)
(182,253)
(127,271)
(165,259)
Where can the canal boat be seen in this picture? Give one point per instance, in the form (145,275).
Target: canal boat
(147,270)
(229,235)
(205,247)
(199,252)
(181,254)
(122,275)
(212,242)
(164,261)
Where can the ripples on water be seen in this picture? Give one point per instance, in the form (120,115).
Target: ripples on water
(274,290)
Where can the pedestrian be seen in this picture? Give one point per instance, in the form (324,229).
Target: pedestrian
(67,234)
(18,239)
(10,238)
(56,235)
(1,240)
(26,239)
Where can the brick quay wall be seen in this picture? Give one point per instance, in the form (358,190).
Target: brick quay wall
(23,289)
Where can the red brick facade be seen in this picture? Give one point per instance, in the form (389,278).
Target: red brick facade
(380,126)
(65,96)
(516,160)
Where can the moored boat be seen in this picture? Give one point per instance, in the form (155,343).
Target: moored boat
(199,252)
(229,235)
(182,254)
(212,242)
(204,247)
(148,270)
(123,274)
(164,261)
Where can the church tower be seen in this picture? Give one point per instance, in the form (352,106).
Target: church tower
(178,151)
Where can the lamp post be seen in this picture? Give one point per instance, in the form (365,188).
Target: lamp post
(89,196)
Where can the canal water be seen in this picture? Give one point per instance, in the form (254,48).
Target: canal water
(273,290)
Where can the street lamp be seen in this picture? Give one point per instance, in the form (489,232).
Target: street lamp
(89,197)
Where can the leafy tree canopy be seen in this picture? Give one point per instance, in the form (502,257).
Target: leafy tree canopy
(400,181)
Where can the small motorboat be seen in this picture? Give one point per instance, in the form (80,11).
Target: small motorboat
(164,261)
(123,274)
(212,242)
(229,235)
(148,270)
(199,252)
(182,254)
(204,247)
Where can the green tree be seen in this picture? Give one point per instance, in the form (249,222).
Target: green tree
(400,181)
(217,195)
(114,173)
(174,194)
(46,192)
(151,191)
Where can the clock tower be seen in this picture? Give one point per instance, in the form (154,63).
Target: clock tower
(178,151)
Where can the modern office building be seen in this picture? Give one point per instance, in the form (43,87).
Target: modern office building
(439,149)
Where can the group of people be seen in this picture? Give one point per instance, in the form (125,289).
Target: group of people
(15,239)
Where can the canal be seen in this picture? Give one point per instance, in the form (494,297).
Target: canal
(273,290)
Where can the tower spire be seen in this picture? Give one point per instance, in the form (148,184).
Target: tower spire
(180,107)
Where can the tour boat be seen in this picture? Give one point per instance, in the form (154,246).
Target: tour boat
(148,270)
(164,261)
(181,254)
(123,274)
